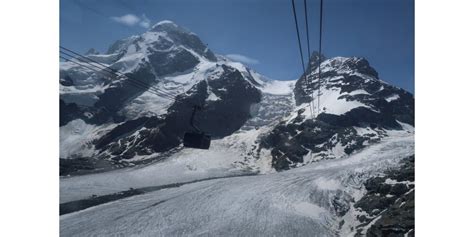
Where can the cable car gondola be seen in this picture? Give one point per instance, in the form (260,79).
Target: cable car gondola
(197,138)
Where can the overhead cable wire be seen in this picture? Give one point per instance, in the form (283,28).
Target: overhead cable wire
(299,45)
(131,80)
(115,72)
(309,58)
(107,68)
(109,73)
(320,54)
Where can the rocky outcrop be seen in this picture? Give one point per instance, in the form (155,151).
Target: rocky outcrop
(357,109)
(305,83)
(290,143)
(68,112)
(135,65)
(389,204)
(226,112)
(184,37)
(91,115)
(113,98)
(180,61)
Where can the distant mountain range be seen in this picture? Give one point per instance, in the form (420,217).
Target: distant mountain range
(110,118)
(350,134)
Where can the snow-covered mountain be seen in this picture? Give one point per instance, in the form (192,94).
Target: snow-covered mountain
(105,117)
(356,109)
(347,171)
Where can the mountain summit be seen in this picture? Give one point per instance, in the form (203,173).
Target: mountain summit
(174,70)
(348,108)
(109,118)
(336,150)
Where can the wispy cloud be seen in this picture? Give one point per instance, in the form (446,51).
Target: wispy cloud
(132,20)
(145,23)
(242,58)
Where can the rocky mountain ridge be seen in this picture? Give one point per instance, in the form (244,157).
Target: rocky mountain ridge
(109,119)
(356,109)
(357,148)
(121,120)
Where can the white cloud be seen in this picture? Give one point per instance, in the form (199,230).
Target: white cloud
(128,19)
(132,20)
(145,23)
(242,58)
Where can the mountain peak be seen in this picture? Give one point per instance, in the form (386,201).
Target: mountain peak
(314,60)
(356,64)
(164,23)
(315,56)
(182,36)
(169,26)
(359,64)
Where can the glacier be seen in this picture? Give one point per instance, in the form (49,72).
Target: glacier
(273,204)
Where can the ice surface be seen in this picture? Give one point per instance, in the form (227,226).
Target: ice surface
(276,204)
(292,203)
(278,87)
(188,164)
(75,138)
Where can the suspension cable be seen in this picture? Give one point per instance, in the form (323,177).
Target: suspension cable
(299,44)
(110,75)
(319,57)
(133,81)
(106,73)
(310,84)
(114,72)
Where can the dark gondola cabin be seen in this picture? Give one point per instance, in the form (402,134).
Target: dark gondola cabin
(196,139)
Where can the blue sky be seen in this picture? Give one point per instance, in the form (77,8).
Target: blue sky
(259,32)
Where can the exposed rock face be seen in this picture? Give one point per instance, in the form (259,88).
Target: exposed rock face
(155,63)
(168,70)
(66,81)
(184,37)
(295,141)
(68,112)
(222,115)
(114,97)
(304,85)
(165,49)
(92,115)
(231,109)
(181,61)
(120,45)
(356,109)
(258,122)
(389,204)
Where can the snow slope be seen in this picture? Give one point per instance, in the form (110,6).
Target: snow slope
(75,138)
(299,202)
(159,52)
(225,158)
(228,155)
